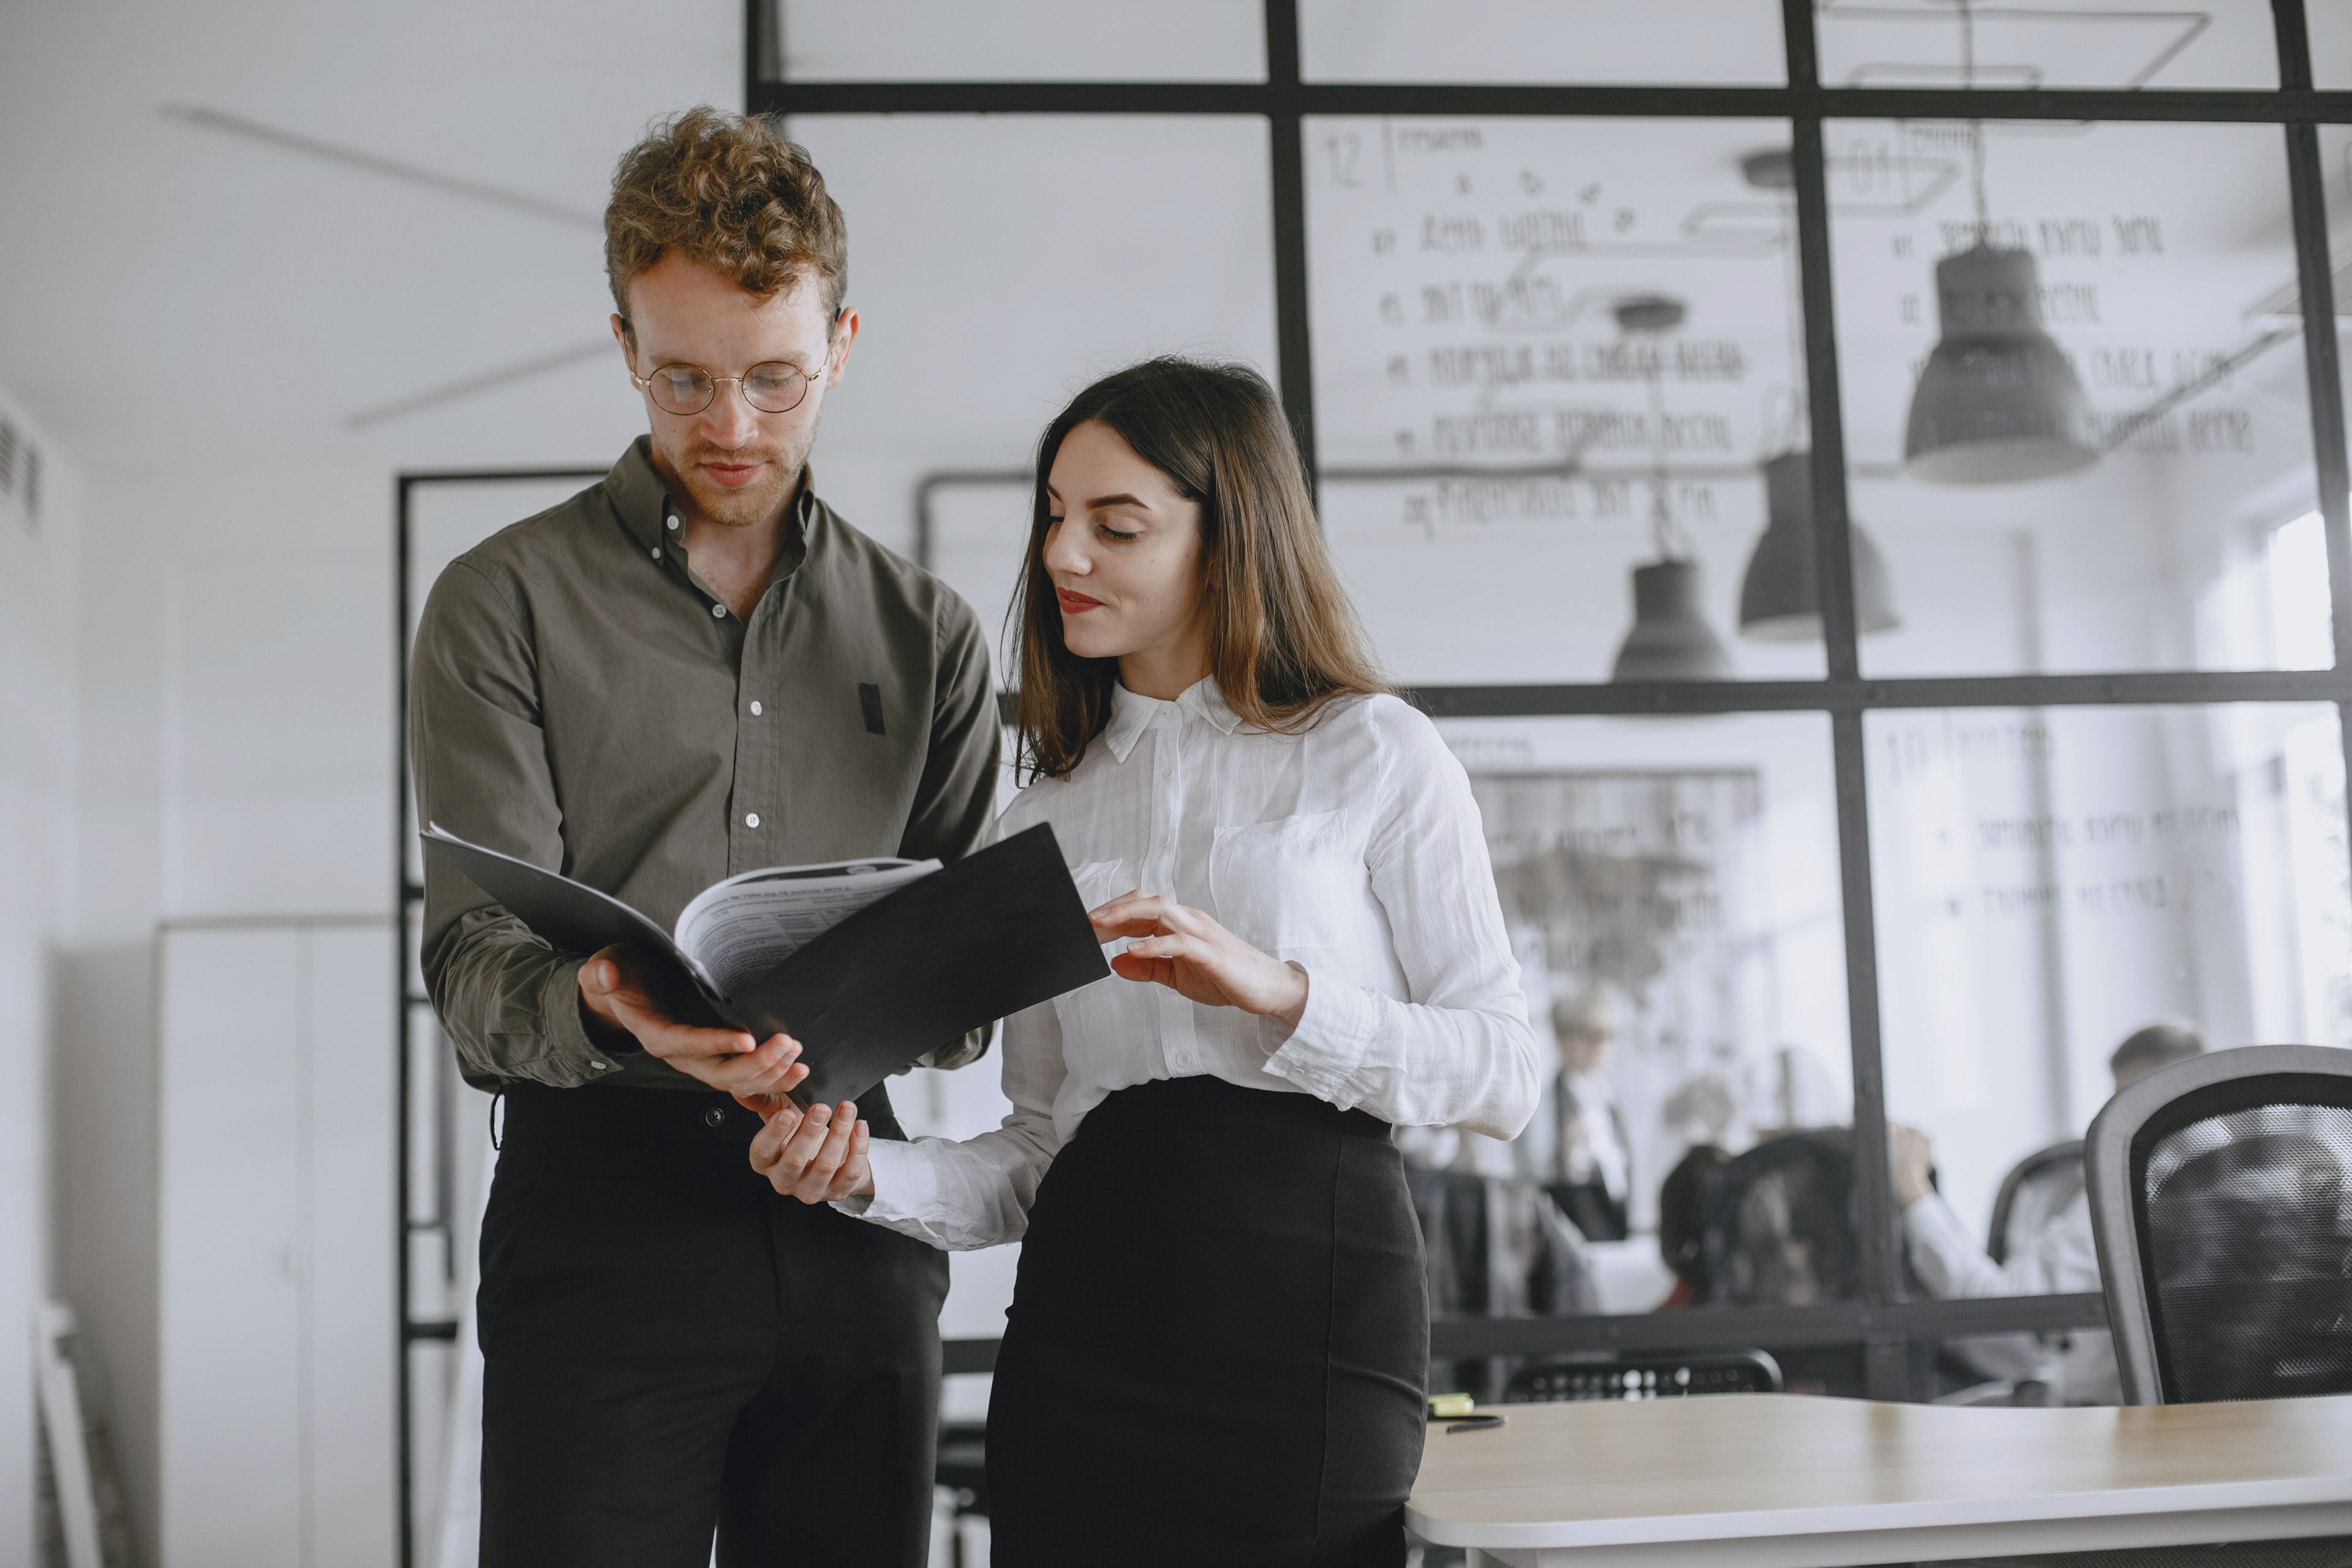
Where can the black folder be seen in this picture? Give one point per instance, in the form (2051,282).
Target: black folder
(974,942)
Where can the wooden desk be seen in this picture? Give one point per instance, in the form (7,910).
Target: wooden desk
(1777,1480)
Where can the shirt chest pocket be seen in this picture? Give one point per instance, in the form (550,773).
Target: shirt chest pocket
(1289,884)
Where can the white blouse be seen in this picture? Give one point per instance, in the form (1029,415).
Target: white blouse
(1353,850)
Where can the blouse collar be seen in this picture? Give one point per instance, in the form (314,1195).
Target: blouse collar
(1132,714)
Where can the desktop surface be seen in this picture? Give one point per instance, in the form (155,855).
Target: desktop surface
(1764,1478)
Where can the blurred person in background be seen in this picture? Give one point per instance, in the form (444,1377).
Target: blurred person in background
(1682,1222)
(1595,1159)
(2060,1259)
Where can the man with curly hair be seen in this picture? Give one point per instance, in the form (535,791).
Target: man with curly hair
(692,669)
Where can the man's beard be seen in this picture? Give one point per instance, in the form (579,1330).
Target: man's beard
(753,504)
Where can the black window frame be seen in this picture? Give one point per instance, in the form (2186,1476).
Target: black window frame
(1884,1322)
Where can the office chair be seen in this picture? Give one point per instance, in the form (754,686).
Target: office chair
(1778,1229)
(2218,1190)
(1777,1226)
(1604,1375)
(2035,1190)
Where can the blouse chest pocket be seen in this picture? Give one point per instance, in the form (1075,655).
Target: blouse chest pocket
(1098,882)
(1289,884)
(1090,1014)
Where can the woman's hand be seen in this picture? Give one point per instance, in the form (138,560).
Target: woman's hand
(817,1155)
(1198,959)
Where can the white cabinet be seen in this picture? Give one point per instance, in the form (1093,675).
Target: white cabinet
(278,1237)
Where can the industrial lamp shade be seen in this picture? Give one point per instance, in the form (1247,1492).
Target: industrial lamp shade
(1998,401)
(1780,597)
(1671,639)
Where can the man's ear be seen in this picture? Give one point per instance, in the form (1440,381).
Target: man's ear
(844,333)
(621,336)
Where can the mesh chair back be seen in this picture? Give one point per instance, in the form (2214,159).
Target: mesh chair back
(1606,1376)
(1780,1226)
(2033,1194)
(2219,1192)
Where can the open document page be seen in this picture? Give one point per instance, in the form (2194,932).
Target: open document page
(742,928)
(868,964)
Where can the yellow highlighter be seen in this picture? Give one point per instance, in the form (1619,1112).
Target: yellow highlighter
(1451,1406)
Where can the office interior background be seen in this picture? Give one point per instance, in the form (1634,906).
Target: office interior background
(1851,770)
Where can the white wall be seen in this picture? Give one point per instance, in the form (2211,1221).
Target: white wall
(236,699)
(38,608)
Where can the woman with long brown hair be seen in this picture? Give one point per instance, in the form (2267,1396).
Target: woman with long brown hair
(1219,1335)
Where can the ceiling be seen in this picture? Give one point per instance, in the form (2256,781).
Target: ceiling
(179,291)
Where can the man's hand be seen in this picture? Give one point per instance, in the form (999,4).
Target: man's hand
(1198,959)
(817,1155)
(1909,1159)
(614,994)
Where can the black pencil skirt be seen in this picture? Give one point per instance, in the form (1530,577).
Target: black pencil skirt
(1217,1341)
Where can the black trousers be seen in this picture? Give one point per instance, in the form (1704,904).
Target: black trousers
(670,1346)
(1217,1342)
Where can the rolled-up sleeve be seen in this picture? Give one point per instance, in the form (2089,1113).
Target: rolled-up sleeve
(1459,1052)
(509,1003)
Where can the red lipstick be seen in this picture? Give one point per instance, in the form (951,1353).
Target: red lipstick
(1075,604)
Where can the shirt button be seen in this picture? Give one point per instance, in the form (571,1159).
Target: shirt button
(655,554)
(756,709)
(751,819)
(719,612)
(672,525)
(598,1066)
(714,1117)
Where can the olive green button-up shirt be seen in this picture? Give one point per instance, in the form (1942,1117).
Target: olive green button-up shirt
(577,697)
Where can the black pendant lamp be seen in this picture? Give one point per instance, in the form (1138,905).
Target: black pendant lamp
(1780,597)
(1997,403)
(1671,639)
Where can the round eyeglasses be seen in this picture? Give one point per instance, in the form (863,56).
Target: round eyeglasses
(774,387)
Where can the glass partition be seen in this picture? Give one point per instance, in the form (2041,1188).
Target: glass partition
(2048,882)
(2077,421)
(1000,262)
(1713,41)
(2050,43)
(1039,40)
(1558,378)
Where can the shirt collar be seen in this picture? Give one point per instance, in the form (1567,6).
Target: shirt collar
(639,496)
(1203,700)
(1132,714)
(642,503)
